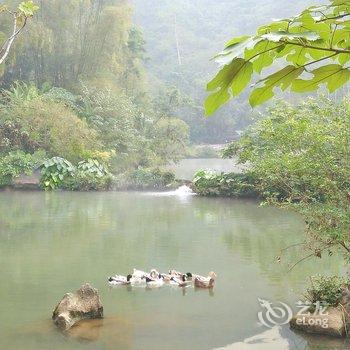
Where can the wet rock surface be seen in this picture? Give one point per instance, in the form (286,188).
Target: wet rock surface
(85,303)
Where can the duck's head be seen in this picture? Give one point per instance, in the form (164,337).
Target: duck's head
(183,278)
(212,274)
(110,279)
(154,273)
(128,277)
(189,274)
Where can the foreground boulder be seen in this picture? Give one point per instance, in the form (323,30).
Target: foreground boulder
(85,303)
(335,322)
(332,324)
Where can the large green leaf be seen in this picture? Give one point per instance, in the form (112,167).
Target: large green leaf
(262,54)
(334,75)
(230,81)
(283,78)
(312,24)
(319,36)
(235,51)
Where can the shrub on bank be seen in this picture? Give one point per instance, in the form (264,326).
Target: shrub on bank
(88,175)
(326,289)
(41,124)
(207,183)
(145,179)
(85,181)
(16,163)
(54,172)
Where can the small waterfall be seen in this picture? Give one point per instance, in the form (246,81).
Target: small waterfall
(182,191)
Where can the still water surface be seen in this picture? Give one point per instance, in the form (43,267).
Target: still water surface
(50,243)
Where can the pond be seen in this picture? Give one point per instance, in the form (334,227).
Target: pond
(51,243)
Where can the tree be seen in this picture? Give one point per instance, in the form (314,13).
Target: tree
(315,46)
(25,10)
(300,159)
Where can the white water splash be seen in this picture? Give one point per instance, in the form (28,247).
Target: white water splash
(182,191)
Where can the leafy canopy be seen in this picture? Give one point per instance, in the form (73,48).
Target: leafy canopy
(24,9)
(313,47)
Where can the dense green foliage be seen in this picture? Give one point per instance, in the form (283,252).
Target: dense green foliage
(300,157)
(16,163)
(87,175)
(326,289)
(300,154)
(68,41)
(314,44)
(146,179)
(55,171)
(74,87)
(95,124)
(207,183)
(37,123)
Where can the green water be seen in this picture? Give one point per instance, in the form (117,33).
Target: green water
(51,243)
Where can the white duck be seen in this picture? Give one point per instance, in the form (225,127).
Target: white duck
(138,276)
(139,273)
(154,282)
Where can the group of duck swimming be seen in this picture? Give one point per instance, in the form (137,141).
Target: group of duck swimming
(156,279)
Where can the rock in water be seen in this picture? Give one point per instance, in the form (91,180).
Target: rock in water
(334,322)
(83,304)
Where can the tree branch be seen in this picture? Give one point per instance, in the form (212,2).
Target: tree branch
(317,47)
(5,49)
(345,246)
(335,17)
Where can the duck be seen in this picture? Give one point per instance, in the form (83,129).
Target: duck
(154,282)
(178,274)
(138,276)
(205,282)
(180,282)
(166,278)
(119,280)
